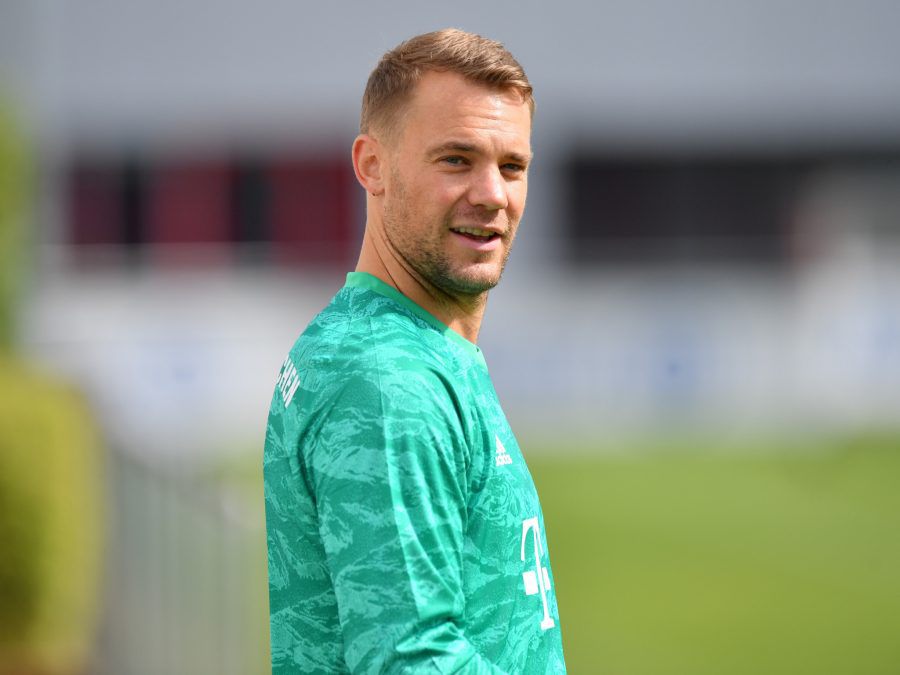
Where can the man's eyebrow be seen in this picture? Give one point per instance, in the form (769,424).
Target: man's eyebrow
(521,159)
(459,146)
(452,146)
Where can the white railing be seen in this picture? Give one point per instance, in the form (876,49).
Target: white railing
(185,584)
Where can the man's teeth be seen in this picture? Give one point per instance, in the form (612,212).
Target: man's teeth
(473,231)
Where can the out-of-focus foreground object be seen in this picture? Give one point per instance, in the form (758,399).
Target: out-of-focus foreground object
(50,515)
(12,203)
(50,479)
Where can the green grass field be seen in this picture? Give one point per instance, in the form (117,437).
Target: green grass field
(696,562)
(680,558)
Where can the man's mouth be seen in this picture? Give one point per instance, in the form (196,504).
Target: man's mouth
(475,233)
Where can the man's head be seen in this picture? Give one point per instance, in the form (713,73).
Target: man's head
(393,80)
(443,153)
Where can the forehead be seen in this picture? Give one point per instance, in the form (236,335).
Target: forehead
(447,104)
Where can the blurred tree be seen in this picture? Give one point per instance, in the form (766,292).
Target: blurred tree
(51,500)
(13,200)
(51,495)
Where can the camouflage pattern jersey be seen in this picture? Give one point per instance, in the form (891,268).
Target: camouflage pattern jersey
(404,530)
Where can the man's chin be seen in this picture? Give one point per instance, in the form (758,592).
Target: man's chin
(470,282)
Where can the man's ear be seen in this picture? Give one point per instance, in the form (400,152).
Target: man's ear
(368,163)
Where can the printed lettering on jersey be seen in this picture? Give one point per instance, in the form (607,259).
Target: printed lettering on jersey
(288,381)
(503,457)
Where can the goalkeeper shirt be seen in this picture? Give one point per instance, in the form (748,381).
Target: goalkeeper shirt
(404,530)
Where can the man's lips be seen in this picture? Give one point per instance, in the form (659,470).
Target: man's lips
(482,239)
(480,233)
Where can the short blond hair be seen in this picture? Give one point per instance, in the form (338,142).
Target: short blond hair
(450,50)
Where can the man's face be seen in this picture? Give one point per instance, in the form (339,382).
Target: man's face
(457,180)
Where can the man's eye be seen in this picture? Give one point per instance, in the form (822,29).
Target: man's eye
(454,160)
(513,168)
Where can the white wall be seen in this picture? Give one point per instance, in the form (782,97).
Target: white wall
(104,66)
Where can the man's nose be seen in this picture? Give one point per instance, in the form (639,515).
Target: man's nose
(488,189)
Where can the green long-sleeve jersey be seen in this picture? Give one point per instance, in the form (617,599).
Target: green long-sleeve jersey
(404,530)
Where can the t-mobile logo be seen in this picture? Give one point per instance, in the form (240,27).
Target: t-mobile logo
(536,580)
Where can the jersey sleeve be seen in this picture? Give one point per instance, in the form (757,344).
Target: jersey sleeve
(388,469)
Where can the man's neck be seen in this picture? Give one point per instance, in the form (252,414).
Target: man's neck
(461,314)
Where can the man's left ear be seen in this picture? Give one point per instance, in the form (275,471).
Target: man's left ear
(368,164)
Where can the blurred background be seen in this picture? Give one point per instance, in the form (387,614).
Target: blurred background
(697,339)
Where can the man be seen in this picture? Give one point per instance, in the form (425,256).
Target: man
(404,530)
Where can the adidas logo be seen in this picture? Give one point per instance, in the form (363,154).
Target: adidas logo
(503,457)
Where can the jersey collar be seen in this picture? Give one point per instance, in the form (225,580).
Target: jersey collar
(373,283)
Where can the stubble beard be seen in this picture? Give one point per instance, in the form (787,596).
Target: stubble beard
(427,257)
